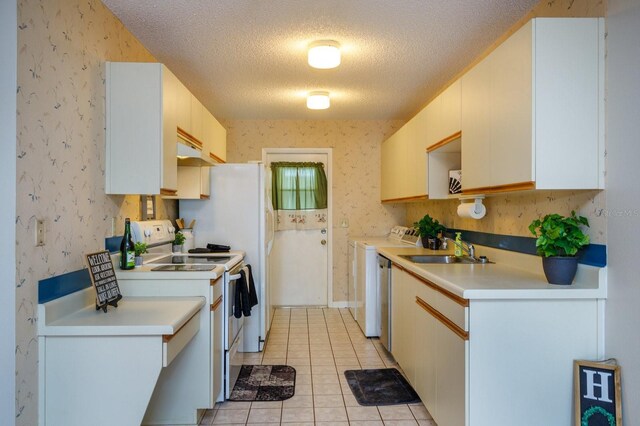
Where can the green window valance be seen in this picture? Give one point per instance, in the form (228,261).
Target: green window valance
(298,186)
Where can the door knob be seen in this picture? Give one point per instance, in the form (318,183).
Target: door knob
(323,242)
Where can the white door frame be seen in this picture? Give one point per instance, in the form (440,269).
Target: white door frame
(329,153)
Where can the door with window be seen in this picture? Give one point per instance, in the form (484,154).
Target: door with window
(299,261)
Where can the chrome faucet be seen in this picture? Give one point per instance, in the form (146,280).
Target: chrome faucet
(465,246)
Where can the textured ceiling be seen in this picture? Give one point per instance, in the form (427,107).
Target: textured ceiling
(246,59)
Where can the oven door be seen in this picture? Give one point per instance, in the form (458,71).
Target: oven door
(234,358)
(233,342)
(233,325)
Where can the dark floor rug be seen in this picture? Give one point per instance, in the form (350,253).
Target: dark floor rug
(381,386)
(264,383)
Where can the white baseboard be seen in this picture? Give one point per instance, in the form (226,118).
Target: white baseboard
(339,304)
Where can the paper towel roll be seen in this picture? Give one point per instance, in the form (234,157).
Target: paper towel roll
(472,210)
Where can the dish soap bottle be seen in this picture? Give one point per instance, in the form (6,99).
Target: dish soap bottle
(127,253)
(458,245)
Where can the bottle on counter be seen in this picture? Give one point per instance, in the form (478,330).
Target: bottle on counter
(127,252)
(458,245)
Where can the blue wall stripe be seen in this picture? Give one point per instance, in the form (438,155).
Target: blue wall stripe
(113,243)
(62,285)
(593,254)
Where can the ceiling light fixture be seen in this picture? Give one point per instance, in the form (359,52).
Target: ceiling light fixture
(324,54)
(318,100)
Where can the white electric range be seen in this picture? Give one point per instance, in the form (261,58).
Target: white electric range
(210,365)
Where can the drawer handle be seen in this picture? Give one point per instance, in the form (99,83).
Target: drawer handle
(167,337)
(464,335)
(215,304)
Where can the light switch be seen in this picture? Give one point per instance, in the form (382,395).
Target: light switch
(39,232)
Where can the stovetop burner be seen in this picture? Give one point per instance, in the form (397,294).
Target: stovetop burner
(178,259)
(183,267)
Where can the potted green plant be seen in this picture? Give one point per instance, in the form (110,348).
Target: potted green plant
(558,240)
(178,242)
(139,248)
(429,229)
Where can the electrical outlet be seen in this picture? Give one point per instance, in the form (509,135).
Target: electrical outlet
(39,232)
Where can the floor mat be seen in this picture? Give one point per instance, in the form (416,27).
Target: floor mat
(264,383)
(381,386)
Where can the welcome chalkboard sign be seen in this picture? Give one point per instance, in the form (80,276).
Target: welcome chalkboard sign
(597,392)
(103,278)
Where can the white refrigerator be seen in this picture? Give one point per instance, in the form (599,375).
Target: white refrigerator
(239,213)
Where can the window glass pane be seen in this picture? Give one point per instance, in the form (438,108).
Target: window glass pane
(299,186)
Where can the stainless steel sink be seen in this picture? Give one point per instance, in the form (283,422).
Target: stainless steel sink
(443,259)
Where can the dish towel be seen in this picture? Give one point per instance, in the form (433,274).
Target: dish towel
(245,294)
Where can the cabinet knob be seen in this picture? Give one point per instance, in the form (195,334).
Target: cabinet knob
(323,242)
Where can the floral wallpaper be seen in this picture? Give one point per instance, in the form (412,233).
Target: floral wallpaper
(62,48)
(356,173)
(511,214)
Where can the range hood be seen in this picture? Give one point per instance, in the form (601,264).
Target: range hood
(189,151)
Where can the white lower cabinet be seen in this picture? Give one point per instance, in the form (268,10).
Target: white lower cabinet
(402,328)
(485,362)
(217,327)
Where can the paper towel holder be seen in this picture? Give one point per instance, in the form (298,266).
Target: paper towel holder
(478,206)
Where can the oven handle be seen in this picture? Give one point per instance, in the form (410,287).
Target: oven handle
(234,274)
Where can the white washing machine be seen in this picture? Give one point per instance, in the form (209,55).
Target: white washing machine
(364,287)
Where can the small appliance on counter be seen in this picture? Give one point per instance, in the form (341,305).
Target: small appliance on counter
(189,241)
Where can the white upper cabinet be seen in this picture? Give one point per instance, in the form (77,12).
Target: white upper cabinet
(219,138)
(197,116)
(532,111)
(405,171)
(443,116)
(403,167)
(215,139)
(141,129)
(193,183)
(183,108)
(147,108)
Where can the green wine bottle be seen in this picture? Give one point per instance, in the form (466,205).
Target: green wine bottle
(127,253)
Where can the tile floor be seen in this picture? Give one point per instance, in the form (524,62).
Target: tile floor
(320,344)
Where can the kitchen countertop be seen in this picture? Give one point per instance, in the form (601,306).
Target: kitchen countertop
(134,316)
(513,276)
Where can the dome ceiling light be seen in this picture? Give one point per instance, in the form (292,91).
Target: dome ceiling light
(324,54)
(318,100)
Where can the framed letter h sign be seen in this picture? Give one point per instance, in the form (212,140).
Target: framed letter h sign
(597,391)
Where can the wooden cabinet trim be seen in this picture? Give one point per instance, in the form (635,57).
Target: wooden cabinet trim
(464,335)
(216,158)
(459,300)
(167,337)
(214,282)
(404,199)
(444,141)
(168,192)
(215,304)
(520,186)
(190,139)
